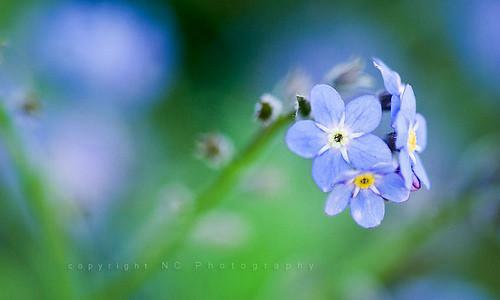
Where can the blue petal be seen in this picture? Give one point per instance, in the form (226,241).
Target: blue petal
(327,167)
(338,199)
(392,80)
(395,107)
(384,167)
(421,131)
(346,176)
(326,105)
(405,167)
(402,127)
(367,209)
(419,170)
(392,187)
(367,151)
(408,104)
(363,114)
(304,138)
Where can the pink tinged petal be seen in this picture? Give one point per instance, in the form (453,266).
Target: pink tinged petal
(392,80)
(367,209)
(419,170)
(392,187)
(402,128)
(327,107)
(405,168)
(421,132)
(416,185)
(327,167)
(408,103)
(304,138)
(363,114)
(368,150)
(338,199)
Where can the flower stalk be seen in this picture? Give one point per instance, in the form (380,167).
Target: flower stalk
(51,238)
(152,255)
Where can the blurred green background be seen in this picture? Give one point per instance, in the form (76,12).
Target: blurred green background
(108,98)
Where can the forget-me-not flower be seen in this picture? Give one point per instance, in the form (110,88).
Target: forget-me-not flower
(411,139)
(365,190)
(393,85)
(339,135)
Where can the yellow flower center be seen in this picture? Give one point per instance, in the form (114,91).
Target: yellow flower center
(412,140)
(365,180)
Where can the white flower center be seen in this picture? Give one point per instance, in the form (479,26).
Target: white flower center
(338,138)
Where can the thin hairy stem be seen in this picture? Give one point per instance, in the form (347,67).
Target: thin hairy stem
(153,255)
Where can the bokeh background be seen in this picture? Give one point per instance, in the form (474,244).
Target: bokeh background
(108,99)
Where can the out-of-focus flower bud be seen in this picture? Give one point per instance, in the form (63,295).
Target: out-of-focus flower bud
(302,107)
(222,230)
(173,203)
(30,105)
(265,181)
(296,82)
(349,76)
(268,109)
(214,148)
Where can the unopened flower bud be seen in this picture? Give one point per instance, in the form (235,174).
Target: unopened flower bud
(302,107)
(390,139)
(385,100)
(214,148)
(349,76)
(268,109)
(30,105)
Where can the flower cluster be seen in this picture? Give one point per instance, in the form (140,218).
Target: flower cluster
(355,166)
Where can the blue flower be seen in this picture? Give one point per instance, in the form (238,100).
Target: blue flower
(393,85)
(365,190)
(411,139)
(339,135)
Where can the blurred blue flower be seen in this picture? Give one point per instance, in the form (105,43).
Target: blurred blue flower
(104,52)
(411,139)
(365,191)
(88,157)
(474,27)
(339,135)
(393,85)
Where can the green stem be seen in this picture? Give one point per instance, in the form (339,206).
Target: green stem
(52,255)
(154,255)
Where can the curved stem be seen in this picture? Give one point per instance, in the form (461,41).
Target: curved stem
(53,252)
(154,255)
